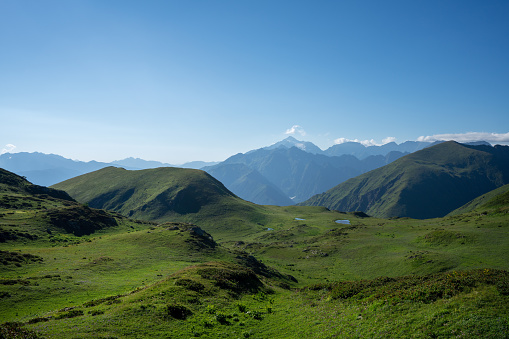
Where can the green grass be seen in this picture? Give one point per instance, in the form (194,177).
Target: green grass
(263,275)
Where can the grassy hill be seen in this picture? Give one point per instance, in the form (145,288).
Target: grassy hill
(425,184)
(165,194)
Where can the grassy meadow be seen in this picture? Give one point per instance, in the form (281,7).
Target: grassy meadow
(296,273)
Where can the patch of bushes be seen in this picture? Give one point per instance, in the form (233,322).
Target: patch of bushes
(232,277)
(96,312)
(70,314)
(8,257)
(6,235)
(107,301)
(38,320)
(424,289)
(15,330)
(178,311)
(190,284)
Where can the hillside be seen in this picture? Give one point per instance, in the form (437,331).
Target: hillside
(308,276)
(498,198)
(164,194)
(425,184)
(13,183)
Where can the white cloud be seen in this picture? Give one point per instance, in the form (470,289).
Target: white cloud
(492,138)
(388,140)
(366,142)
(295,129)
(8,148)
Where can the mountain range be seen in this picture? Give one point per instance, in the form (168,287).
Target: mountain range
(297,175)
(426,184)
(285,173)
(48,169)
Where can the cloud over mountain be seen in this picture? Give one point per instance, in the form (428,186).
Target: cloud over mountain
(494,138)
(295,129)
(8,148)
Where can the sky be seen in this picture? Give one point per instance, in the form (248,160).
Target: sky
(180,80)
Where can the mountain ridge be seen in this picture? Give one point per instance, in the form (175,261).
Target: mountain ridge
(429,183)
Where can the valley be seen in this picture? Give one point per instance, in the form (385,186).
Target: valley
(171,252)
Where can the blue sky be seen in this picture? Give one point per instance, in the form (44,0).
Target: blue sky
(177,81)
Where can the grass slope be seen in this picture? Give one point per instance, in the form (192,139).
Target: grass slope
(165,194)
(496,198)
(351,280)
(425,184)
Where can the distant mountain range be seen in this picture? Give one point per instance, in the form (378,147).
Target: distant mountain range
(287,172)
(288,184)
(351,148)
(291,171)
(48,169)
(292,174)
(426,184)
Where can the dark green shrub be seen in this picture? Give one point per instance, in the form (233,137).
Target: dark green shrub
(178,311)
(70,314)
(15,330)
(222,319)
(96,312)
(190,284)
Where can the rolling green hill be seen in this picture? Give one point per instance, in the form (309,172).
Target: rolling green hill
(165,194)
(425,184)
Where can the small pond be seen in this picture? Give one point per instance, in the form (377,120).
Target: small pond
(346,222)
(299,219)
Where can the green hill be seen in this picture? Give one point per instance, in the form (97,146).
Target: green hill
(13,183)
(165,194)
(425,184)
(498,198)
(31,212)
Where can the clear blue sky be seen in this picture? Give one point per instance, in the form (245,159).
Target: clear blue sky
(184,80)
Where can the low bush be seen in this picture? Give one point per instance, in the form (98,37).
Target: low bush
(178,311)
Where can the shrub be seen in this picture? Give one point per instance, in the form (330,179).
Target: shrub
(424,289)
(222,319)
(16,330)
(70,314)
(190,284)
(178,311)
